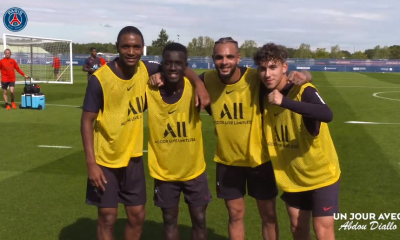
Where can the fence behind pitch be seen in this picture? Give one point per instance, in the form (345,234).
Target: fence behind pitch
(331,65)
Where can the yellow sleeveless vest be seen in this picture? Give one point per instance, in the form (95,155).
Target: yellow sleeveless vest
(237,117)
(118,131)
(301,161)
(176,141)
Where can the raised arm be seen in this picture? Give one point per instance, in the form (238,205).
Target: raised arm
(311,105)
(300,78)
(202,96)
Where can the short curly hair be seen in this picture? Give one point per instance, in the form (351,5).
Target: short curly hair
(270,52)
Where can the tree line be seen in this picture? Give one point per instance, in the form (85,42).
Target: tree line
(202,46)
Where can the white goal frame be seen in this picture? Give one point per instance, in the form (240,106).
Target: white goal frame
(51,39)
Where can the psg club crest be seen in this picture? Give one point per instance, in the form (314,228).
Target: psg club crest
(15,19)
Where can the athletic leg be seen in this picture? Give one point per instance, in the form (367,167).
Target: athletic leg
(4,86)
(106,202)
(326,201)
(269,220)
(197,196)
(261,185)
(166,197)
(133,195)
(12,94)
(199,223)
(299,207)
(170,219)
(231,186)
(12,87)
(134,227)
(5,97)
(236,209)
(105,223)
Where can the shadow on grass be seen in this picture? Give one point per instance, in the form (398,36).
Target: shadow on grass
(85,229)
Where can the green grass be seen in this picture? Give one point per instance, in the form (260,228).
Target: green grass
(43,189)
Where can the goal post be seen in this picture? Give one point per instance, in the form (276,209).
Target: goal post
(44,60)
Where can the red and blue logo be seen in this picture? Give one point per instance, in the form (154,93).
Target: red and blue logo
(15,19)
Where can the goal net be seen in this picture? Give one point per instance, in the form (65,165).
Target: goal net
(44,60)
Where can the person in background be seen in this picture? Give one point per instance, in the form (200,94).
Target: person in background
(56,65)
(92,63)
(8,78)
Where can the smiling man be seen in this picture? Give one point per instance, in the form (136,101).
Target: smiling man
(243,164)
(114,146)
(305,161)
(112,134)
(176,156)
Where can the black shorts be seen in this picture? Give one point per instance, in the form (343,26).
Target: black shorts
(196,192)
(56,70)
(5,85)
(322,201)
(260,181)
(125,185)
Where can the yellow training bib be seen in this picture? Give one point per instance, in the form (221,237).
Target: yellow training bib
(176,141)
(301,161)
(237,117)
(118,131)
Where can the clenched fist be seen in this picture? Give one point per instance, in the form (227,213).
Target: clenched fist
(299,78)
(275,98)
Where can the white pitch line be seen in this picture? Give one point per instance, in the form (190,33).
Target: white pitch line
(47,146)
(357,122)
(144,150)
(56,105)
(392,99)
(354,86)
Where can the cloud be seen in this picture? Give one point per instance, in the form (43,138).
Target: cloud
(319,23)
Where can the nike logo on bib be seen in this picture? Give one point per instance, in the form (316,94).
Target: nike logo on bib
(171,112)
(229,91)
(129,88)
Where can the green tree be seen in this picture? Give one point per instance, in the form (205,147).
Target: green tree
(158,45)
(346,54)
(291,52)
(201,46)
(394,52)
(335,52)
(369,53)
(304,51)
(359,55)
(248,48)
(321,53)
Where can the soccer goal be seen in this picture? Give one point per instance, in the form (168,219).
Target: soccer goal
(44,60)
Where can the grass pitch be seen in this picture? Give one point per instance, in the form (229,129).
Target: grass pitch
(43,189)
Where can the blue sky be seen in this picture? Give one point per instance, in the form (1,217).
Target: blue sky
(360,24)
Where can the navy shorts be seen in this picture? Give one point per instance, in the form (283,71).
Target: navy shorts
(5,85)
(322,201)
(233,180)
(125,185)
(196,192)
